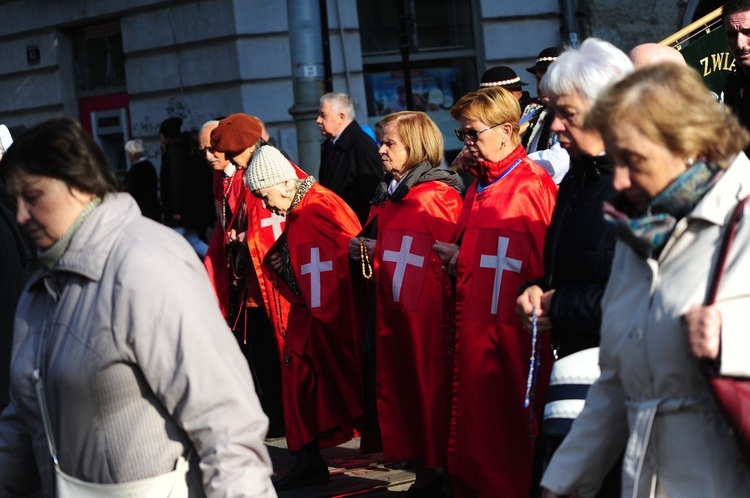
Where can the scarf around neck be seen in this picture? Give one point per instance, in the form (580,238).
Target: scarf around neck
(487,171)
(51,256)
(648,233)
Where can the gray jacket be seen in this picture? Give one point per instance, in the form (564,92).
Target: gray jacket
(139,368)
(652,399)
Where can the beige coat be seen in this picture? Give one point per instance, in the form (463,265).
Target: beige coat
(652,395)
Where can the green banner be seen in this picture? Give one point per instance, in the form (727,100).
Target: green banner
(709,55)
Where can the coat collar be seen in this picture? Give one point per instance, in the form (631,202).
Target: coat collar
(346,138)
(719,202)
(728,191)
(92,244)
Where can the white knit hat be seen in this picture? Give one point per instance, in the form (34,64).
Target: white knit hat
(269,167)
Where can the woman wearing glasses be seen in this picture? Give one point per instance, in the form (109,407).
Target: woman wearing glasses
(496,247)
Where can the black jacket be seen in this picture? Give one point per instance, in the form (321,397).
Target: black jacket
(186,187)
(351,168)
(142,183)
(578,251)
(15,259)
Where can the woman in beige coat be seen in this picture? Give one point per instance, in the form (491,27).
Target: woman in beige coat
(680,171)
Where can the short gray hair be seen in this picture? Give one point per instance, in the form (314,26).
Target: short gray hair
(135,147)
(586,71)
(213,122)
(340,102)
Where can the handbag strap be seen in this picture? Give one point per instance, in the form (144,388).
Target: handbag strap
(726,244)
(41,399)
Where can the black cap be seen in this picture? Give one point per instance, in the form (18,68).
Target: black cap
(546,57)
(501,76)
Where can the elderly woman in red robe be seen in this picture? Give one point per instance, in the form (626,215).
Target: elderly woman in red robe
(415,204)
(309,264)
(496,247)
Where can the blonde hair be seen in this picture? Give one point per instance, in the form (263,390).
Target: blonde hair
(421,136)
(670,104)
(493,105)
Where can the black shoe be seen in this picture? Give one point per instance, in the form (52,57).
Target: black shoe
(303,474)
(432,490)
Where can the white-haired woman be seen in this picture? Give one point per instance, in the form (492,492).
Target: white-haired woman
(309,265)
(680,172)
(579,244)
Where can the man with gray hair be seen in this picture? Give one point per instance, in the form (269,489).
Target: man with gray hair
(349,161)
(141,181)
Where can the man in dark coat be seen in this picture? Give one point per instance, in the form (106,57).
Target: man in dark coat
(141,181)
(737,88)
(187,200)
(349,161)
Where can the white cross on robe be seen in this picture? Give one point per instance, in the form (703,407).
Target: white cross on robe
(402,258)
(274,221)
(315,267)
(499,263)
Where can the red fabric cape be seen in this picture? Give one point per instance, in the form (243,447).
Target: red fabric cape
(216,257)
(321,376)
(491,445)
(265,228)
(414,335)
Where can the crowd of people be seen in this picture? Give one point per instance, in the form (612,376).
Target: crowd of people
(543,332)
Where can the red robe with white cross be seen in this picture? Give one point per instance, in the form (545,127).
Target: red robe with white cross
(501,236)
(414,328)
(321,370)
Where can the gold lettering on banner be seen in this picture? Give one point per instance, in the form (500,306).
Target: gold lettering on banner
(718,60)
(721,61)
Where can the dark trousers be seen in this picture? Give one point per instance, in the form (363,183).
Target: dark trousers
(255,335)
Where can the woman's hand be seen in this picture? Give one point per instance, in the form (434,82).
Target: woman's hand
(534,298)
(448,254)
(703,329)
(276,262)
(463,161)
(233,236)
(355,247)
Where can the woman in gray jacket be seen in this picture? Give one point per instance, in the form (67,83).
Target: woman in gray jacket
(680,171)
(123,368)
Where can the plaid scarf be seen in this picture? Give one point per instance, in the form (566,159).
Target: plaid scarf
(648,233)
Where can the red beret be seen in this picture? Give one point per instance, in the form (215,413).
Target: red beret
(235,133)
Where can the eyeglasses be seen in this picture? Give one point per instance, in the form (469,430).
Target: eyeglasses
(472,135)
(202,152)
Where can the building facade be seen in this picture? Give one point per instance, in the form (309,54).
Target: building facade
(122,66)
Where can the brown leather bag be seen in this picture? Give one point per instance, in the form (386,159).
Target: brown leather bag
(731,393)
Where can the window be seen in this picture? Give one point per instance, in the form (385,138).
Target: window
(99,57)
(432,40)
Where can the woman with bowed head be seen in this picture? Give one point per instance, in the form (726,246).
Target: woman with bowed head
(125,376)
(496,247)
(415,204)
(680,173)
(321,377)
(579,244)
